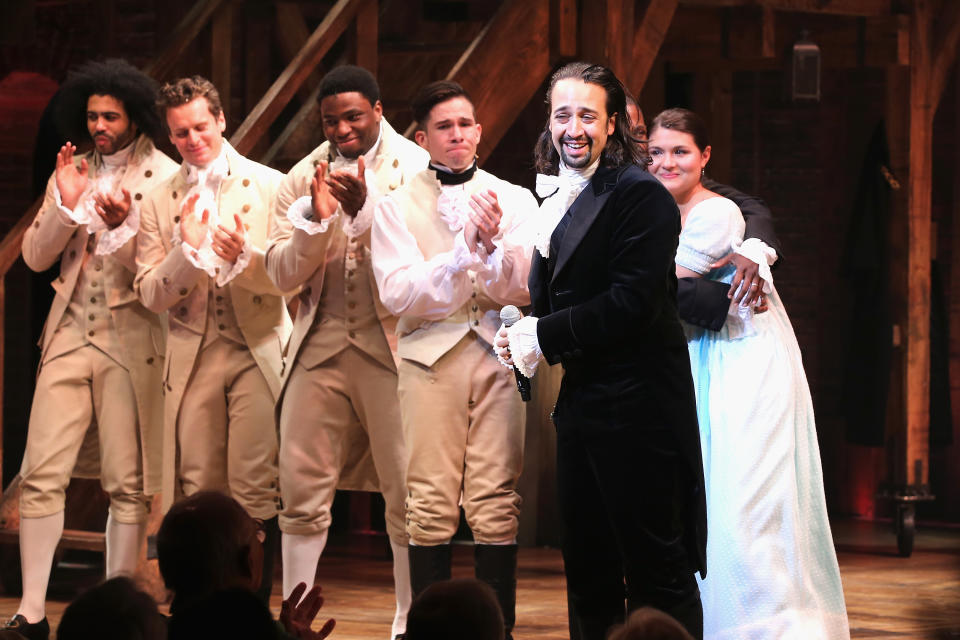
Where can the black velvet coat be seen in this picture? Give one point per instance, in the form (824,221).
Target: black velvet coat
(608,311)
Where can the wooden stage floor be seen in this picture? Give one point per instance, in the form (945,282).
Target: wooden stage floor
(887,596)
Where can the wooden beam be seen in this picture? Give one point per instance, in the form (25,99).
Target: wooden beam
(292,34)
(917,383)
(606,32)
(945,43)
(221,53)
(647,41)
(282,90)
(867,8)
(903,40)
(181,38)
(563,28)
(517,37)
(768,33)
(365,35)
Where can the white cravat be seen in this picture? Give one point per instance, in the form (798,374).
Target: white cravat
(560,192)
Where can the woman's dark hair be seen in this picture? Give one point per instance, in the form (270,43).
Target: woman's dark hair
(432,95)
(116,78)
(349,78)
(684,121)
(621,148)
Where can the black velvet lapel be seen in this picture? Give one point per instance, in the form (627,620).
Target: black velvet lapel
(585,210)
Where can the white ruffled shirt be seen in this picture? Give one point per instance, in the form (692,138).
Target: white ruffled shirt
(206,182)
(559,192)
(106,182)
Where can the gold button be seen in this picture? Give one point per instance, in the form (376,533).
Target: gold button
(176,218)
(473,295)
(183,291)
(350,287)
(396,163)
(246,182)
(91,317)
(475,307)
(91,333)
(351,255)
(138,196)
(93,299)
(245,208)
(73,253)
(352,334)
(219,312)
(246,227)
(93,284)
(351,319)
(183,311)
(257,299)
(222,326)
(165,280)
(147,173)
(98,267)
(37,223)
(219,298)
(61,279)
(174,195)
(476,322)
(351,304)
(150,360)
(349,273)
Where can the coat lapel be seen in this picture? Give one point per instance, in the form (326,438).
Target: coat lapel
(585,210)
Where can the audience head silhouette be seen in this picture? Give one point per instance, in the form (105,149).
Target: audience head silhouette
(462,609)
(117,609)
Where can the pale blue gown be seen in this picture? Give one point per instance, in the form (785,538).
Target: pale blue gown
(771,566)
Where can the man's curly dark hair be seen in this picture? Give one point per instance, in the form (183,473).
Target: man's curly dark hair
(113,77)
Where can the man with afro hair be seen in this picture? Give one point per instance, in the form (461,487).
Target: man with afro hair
(102,351)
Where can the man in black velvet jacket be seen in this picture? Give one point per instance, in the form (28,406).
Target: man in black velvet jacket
(603,289)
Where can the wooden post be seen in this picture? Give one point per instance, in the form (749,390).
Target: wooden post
(647,39)
(563,28)
(221,52)
(917,381)
(364,36)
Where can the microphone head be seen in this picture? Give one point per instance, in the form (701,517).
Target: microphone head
(509,315)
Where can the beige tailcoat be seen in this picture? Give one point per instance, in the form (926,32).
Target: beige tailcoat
(141,333)
(296,259)
(249,189)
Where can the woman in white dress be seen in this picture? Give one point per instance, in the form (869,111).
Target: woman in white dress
(772,568)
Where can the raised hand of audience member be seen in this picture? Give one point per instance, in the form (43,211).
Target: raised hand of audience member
(297,618)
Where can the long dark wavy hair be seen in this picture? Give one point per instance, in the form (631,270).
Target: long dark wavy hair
(621,148)
(113,77)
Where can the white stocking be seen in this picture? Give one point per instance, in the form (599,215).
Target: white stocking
(123,546)
(401,587)
(300,554)
(38,542)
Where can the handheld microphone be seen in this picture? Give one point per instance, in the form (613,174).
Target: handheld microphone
(509,316)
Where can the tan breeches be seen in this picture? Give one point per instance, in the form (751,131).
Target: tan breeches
(75,390)
(463,422)
(323,410)
(226,431)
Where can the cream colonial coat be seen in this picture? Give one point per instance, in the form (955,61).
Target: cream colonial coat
(141,332)
(248,190)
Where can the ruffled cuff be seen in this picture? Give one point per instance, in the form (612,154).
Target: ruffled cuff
(300,215)
(358,225)
(112,239)
(463,258)
(229,272)
(524,346)
(67,216)
(195,258)
(764,255)
(694,260)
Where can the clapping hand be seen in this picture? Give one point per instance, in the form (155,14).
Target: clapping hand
(228,243)
(350,190)
(486,214)
(322,200)
(297,618)
(112,209)
(71,180)
(193,231)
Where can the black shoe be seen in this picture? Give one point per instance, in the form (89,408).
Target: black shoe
(497,566)
(35,631)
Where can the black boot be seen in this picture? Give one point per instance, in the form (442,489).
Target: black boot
(428,565)
(271,543)
(496,565)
